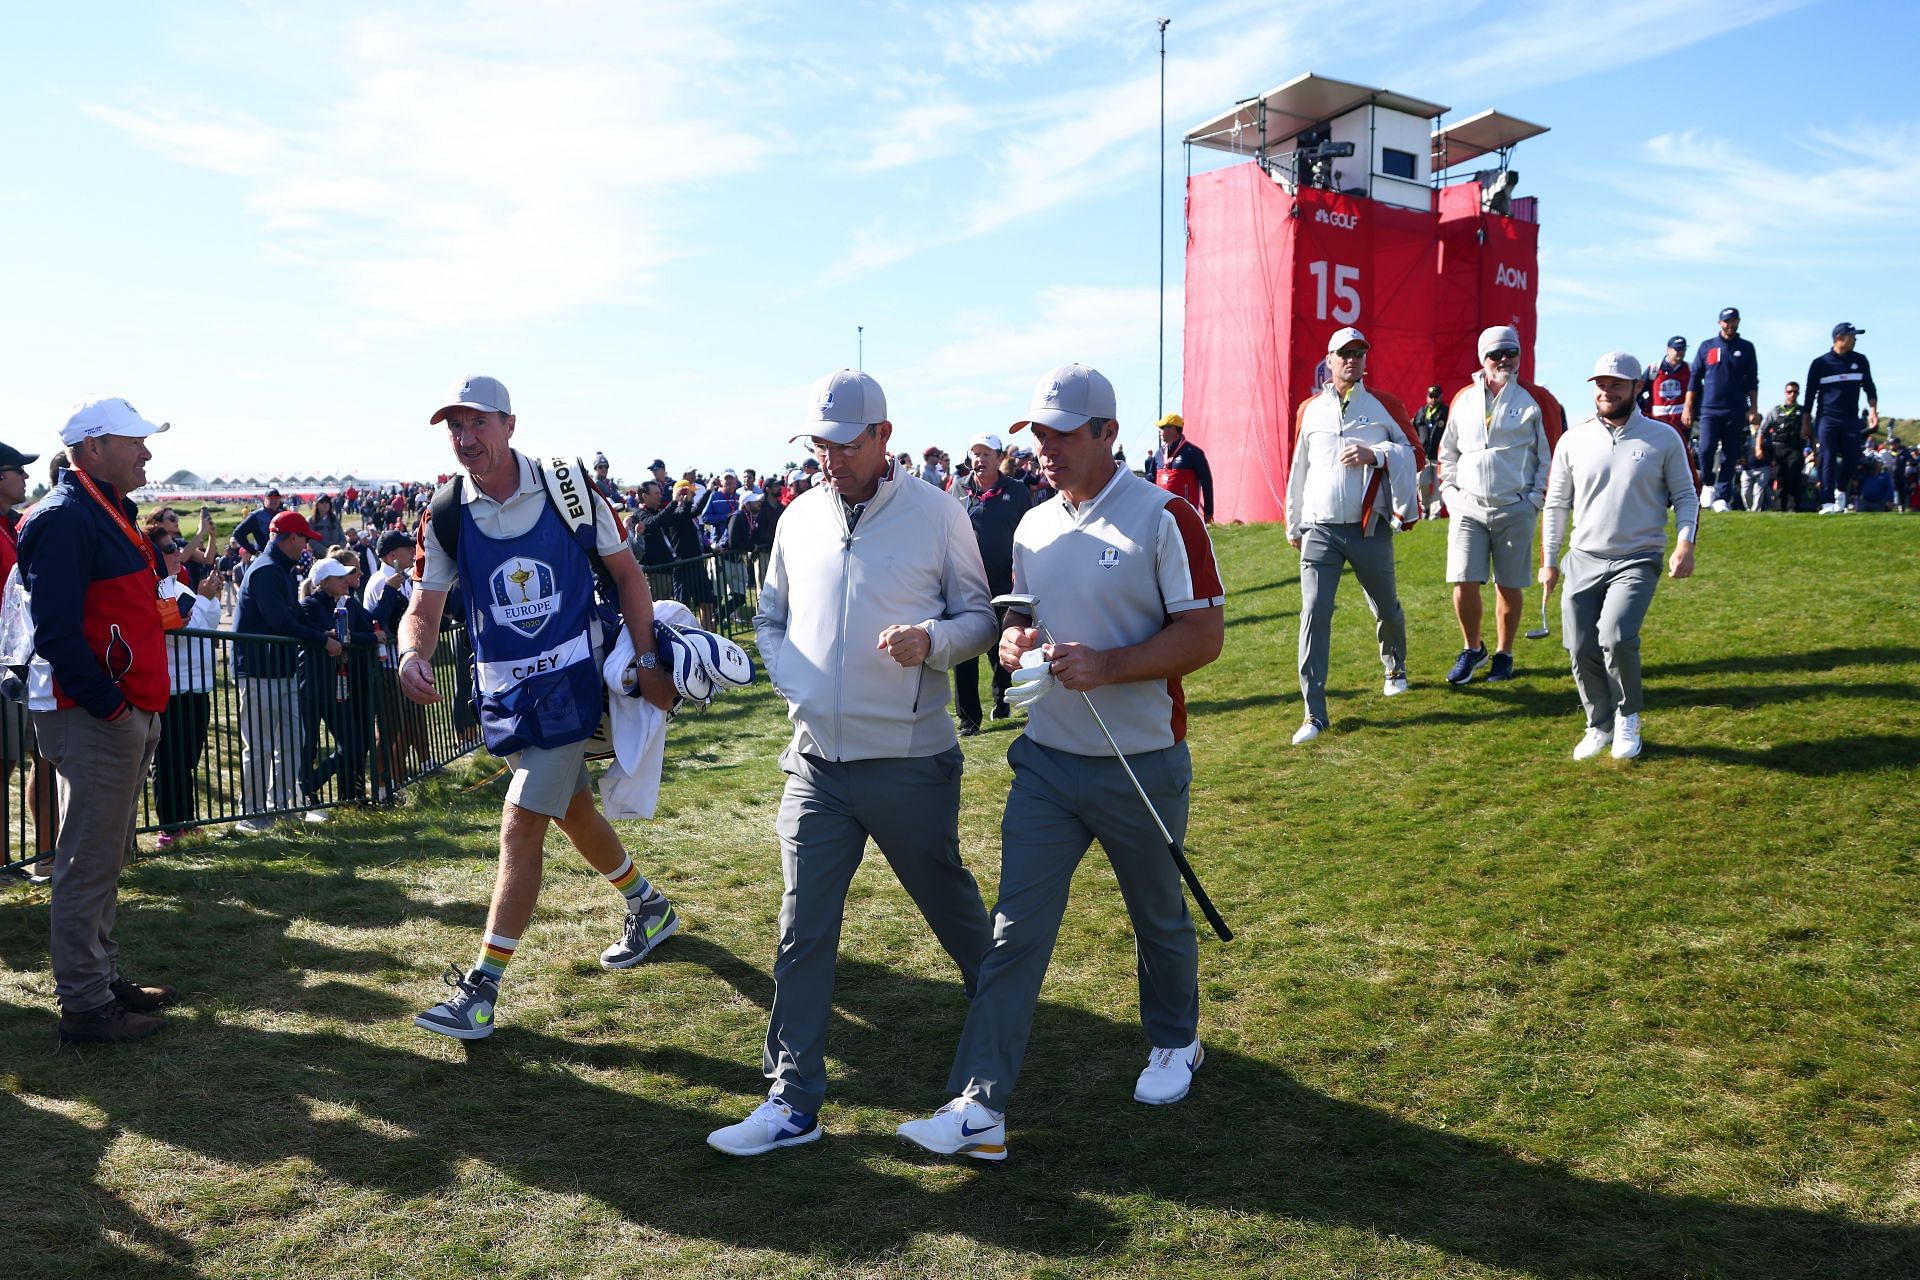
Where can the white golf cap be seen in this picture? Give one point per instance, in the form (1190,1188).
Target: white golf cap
(1616,364)
(489,395)
(110,416)
(1347,337)
(1069,397)
(990,440)
(841,406)
(326,567)
(1497,337)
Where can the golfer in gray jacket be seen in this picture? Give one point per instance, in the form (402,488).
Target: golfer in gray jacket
(873,592)
(1614,475)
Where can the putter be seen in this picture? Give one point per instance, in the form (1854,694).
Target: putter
(1541,632)
(1027,604)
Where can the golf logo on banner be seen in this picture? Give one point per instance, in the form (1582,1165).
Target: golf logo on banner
(523,594)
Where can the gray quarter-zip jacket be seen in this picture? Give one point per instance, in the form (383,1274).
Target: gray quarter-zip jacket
(829,593)
(1614,485)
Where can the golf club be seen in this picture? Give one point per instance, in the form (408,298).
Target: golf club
(1542,631)
(1028,605)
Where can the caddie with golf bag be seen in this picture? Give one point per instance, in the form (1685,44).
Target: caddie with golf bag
(1116,597)
(534,545)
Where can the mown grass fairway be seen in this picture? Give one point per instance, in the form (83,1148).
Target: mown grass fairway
(1490,1013)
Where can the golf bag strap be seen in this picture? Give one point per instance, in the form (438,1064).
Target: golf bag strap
(570,499)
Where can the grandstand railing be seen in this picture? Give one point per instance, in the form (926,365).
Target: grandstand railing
(350,735)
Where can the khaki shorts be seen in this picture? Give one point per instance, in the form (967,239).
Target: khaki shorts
(1504,537)
(545,779)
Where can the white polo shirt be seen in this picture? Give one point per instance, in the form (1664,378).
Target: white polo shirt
(510,519)
(1109,573)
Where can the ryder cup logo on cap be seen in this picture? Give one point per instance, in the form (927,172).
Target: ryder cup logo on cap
(841,406)
(1069,397)
(1500,337)
(485,394)
(1345,338)
(106,417)
(1616,364)
(990,440)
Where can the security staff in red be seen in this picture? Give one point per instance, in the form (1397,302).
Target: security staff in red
(1179,467)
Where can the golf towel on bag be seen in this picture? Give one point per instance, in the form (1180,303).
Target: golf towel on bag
(630,787)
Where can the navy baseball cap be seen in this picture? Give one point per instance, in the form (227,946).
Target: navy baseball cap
(1730,313)
(1679,343)
(1844,328)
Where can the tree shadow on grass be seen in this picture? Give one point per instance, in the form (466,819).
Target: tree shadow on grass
(1821,758)
(565,1116)
(1816,660)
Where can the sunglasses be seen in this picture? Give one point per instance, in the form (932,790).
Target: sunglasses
(1504,354)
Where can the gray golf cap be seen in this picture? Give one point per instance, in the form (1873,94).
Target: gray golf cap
(489,395)
(841,406)
(1069,397)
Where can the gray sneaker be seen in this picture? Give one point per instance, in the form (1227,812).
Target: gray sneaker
(648,925)
(467,1014)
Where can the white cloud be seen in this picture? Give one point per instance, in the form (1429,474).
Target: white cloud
(444,172)
(1028,33)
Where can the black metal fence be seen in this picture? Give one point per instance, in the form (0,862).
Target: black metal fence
(301,733)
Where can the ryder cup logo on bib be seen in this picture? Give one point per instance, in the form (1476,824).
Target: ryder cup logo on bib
(522,594)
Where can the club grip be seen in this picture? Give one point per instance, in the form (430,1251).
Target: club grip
(1207,908)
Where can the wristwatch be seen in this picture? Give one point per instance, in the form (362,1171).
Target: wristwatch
(648,661)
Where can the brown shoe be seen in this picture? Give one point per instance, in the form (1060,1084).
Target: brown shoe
(143,999)
(111,1023)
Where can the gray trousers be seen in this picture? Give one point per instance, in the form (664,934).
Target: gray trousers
(1602,604)
(1324,548)
(101,765)
(269,745)
(1059,805)
(911,808)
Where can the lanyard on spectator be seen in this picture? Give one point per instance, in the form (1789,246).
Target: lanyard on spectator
(120,518)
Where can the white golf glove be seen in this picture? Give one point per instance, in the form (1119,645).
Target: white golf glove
(1031,682)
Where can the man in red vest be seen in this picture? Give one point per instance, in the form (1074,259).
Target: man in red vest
(96,689)
(1663,396)
(1179,467)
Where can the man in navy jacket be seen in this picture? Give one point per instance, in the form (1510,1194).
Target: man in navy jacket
(97,686)
(1724,399)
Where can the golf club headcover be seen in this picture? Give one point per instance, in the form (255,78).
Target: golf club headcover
(700,662)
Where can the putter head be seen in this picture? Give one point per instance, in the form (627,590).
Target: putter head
(1016,600)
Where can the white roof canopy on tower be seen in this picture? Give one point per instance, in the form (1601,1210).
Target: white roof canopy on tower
(1299,104)
(1479,135)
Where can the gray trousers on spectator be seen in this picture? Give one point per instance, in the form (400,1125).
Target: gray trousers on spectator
(102,765)
(1059,805)
(1756,486)
(1324,548)
(911,808)
(269,745)
(1602,604)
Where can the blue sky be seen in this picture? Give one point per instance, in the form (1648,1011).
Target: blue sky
(289,229)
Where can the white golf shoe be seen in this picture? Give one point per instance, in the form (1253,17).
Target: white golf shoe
(961,1128)
(1626,737)
(1591,744)
(1307,732)
(1168,1074)
(1396,685)
(771,1125)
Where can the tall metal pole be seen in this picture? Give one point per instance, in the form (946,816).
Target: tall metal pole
(1160,396)
(860,346)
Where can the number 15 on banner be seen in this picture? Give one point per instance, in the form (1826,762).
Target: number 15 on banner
(1346,296)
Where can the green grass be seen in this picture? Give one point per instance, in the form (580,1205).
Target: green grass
(1490,1013)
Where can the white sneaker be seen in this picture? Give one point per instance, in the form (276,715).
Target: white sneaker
(773,1124)
(1396,684)
(1720,504)
(1168,1075)
(316,816)
(1307,732)
(1591,744)
(1626,737)
(254,826)
(1706,495)
(962,1127)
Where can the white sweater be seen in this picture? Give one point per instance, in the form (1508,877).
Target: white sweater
(1323,490)
(1491,460)
(829,592)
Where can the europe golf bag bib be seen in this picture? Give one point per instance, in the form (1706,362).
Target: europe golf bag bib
(530,604)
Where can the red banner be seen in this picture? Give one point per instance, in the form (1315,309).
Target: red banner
(1271,276)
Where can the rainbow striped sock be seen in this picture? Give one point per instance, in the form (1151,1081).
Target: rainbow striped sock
(627,879)
(495,951)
